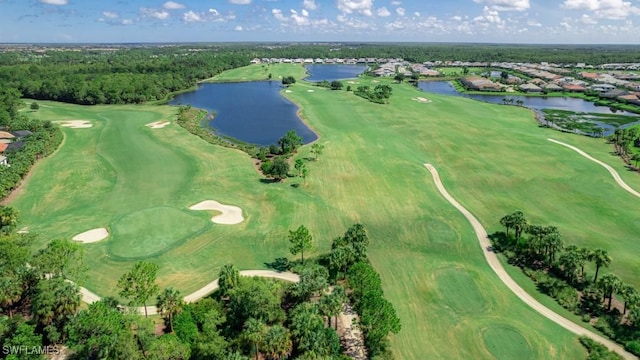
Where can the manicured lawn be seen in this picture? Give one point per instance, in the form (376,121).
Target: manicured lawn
(493,159)
(261,72)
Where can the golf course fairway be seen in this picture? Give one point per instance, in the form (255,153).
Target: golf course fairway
(138,181)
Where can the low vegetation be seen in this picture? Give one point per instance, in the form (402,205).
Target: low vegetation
(380,93)
(559,271)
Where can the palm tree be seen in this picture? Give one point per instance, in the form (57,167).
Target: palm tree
(277,342)
(254,332)
(331,305)
(519,223)
(228,278)
(600,258)
(635,158)
(630,296)
(507,222)
(609,283)
(570,260)
(584,255)
(169,304)
(553,243)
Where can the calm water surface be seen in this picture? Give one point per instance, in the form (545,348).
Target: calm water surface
(534,102)
(254,112)
(331,72)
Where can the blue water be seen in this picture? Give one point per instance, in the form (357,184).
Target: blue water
(534,102)
(253,112)
(331,72)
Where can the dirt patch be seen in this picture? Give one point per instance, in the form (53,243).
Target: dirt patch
(231,215)
(92,236)
(351,334)
(158,124)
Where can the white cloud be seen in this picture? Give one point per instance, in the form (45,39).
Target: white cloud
(606,9)
(110,14)
(309,4)
(383,12)
(126,22)
(400,11)
(155,13)
(532,22)
(364,7)
(54,2)
(238,28)
(396,3)
(305,12)
(172,5)
(191,16)
(277,13)
(456,18)
(416,14)
(487,18)
(506,5)
(588,20)
(240,2)
(214,12)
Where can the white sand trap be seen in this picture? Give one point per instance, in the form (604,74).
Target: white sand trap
(310,90)
(230,214)
(421,100)
(158,124)
(375,81)
(287,91)
(351,82)
(92,236)
(24,230)
(76,124)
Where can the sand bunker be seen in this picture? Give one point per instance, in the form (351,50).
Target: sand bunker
(375,81)
(158,124)
(92,236)
(24,230)
(76,124)
(230,214)
(421,100)
(287,91)
(310,90)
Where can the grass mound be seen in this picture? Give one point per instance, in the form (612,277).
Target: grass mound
(460,291)
(150,232)
(506,343)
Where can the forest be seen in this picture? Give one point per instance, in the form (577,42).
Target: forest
(140,74)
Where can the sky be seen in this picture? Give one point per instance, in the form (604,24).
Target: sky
(486,21)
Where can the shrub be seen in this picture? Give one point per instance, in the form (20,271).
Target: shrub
(633,347)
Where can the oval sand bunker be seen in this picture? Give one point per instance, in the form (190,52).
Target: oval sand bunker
(76,124)
(230,214)
(92,236)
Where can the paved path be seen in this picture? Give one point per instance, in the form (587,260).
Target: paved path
(611,170)
(494,263)
(90,297)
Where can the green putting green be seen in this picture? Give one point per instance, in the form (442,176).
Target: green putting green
(150,232)
(506,343)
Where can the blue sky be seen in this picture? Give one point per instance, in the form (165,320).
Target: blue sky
(503,21)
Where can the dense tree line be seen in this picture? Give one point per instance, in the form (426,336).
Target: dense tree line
(40,308)
(380,93)
(116,77)
(45,139)
(559,271)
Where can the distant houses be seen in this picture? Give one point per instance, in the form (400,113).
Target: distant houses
(11,141)
(478,83)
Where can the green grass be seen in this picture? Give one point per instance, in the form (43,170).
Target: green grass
(505,342)
(256,72)
(493,159)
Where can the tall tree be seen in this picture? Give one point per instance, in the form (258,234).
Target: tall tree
(507,222)
(317,149)
(54,303)
(254,332)
(61,258)
(301,241)
(584,255)
(139,284)
(610,284)
(290,142)
(630,296)
(169,304)
(356,235)
(331,304)
(519,223)
(600,258)
(8,219)
(228,278)
(277,342)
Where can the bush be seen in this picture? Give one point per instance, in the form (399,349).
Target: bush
(633,347)
(586,318)
(597,351)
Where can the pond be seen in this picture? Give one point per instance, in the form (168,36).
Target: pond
(534,102)
(253,112)
(331,72)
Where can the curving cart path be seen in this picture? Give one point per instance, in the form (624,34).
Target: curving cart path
(494,263)
(90,297)
(611,170)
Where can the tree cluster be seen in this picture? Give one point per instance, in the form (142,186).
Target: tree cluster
(333,85)
(380,94)
(45,139)
(559,271)
(288,80)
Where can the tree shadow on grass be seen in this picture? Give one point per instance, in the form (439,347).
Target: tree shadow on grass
(268,181)
(279,264)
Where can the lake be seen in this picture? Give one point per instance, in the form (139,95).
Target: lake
(534,102)
(331,72)
(253,112)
